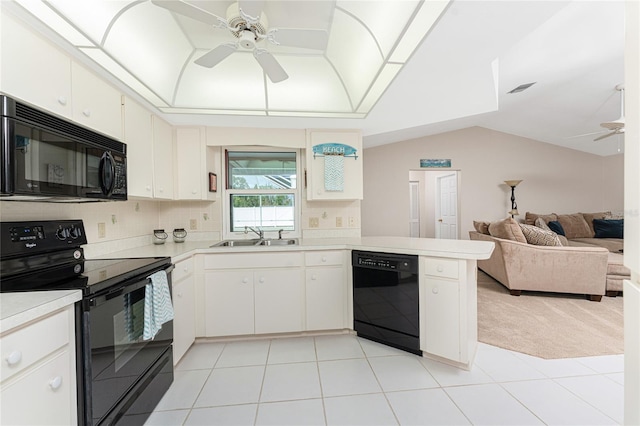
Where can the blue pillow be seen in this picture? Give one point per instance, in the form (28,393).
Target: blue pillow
(608,228)
(555,226)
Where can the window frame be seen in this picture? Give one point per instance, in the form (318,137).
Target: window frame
(227,233)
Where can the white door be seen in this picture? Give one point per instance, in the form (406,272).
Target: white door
(414,209)
(447,207)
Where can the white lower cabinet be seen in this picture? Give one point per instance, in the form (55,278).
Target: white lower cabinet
(184,302)
(229,308)
(279,300)
(325,290)
(38,375)
(448,309)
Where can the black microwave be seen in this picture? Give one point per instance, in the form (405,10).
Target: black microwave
(46,158)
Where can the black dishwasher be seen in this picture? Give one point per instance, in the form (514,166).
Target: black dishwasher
(386,300)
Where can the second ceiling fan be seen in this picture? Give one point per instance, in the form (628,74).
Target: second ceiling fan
(247,22)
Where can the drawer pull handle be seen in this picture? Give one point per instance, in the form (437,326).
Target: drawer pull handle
(434,290)
(55,383)
(245,280)
(86,112)
(324,259)
(440,268)
(14,358)
(179,294)
(261,279)
(62,100)
(186,269)
(314,277)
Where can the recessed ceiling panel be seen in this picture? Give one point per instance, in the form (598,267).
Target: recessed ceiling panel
(377,18)
(354,53)
(148,42)
(312,85)
(235,83)
(91,17)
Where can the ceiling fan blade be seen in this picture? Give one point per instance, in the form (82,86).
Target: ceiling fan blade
(299,37)
(606,136)
(252,9)
(188,10)
(216,55)
(270,65)
(584,134)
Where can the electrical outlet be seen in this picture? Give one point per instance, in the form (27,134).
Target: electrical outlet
(339,222)
(314,222)
(352,222)
(193,224)
(102,231)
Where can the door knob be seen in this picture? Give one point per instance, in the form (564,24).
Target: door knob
(439,220)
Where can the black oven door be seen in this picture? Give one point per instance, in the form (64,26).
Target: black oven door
(120,356)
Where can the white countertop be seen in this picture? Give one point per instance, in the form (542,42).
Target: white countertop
(457,249)
(21,307)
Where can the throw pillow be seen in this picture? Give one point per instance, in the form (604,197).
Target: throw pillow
(588,217)
(540,223)
(614,216)
(555,226)
(609,228)
(530,218)
(539,236)
(574,226)
(507,229)
(481,227)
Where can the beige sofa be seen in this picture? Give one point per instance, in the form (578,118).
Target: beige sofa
(520,266)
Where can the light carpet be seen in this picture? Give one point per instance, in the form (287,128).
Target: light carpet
(548,325)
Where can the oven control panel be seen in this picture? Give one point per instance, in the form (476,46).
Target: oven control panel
(26,238)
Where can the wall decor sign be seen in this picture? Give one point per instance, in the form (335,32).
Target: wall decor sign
(334,148)
(435,162)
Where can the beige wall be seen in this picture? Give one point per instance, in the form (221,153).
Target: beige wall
(555,179)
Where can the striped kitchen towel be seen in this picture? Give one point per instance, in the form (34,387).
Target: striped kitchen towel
(157,305)
(334,173)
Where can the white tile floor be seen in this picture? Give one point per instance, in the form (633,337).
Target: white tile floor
(345,380)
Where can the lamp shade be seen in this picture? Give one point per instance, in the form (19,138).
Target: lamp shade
(513,212)
(513,182)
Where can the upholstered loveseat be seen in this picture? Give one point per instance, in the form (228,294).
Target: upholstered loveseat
(534,258)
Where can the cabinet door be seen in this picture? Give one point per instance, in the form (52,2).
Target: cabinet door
(350,173)
(184,323)
(442,318)
(42,396)
(33,70)
(190,173)
(325,298)
(229,303)
(162,159)
(95,103)
(279,300)
(137,136)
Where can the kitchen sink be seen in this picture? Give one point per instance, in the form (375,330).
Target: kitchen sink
(249,243)
(275,242)
(237,243)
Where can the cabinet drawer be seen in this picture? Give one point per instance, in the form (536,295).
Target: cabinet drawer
(253,260)
(182,269)
(43,396)
(323,258)
(27,345)
(444,268)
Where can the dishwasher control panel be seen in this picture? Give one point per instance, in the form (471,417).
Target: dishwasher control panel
(385,261)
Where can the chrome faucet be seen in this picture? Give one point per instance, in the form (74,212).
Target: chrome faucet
(259,232)
(280,233)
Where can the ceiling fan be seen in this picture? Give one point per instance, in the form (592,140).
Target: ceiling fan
(247,22)
(616,126)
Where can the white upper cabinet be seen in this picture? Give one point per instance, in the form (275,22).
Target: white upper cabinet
(138,137)
(334,165)
(40,77)
(162,159)
(95,103)
(193,160)
(36,72)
